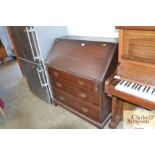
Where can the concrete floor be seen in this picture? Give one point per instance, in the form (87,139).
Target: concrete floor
(25,110)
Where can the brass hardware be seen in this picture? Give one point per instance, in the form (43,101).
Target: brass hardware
(32,66)
(59,84)
(83,44)
(83,95)
(104,44)
(61,98)
(81,83)
(55,74)
(84,109)
(96,87)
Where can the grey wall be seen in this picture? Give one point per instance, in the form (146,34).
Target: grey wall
(4,36)
(46,36)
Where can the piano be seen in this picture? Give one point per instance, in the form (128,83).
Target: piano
(134,79)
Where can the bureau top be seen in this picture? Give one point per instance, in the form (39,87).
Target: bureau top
(89,59)
(87,38)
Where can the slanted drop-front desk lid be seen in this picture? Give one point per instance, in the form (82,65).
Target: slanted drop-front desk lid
(83,55)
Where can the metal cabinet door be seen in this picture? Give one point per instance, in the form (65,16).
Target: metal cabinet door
(25,43)
(34,81)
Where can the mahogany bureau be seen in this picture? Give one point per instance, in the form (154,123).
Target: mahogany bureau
(78,68)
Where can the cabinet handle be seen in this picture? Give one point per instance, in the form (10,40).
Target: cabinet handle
(83,95)
(96,87)
(55,74)
(27,31)
(84,109)
(61,98)
(59,84)
(104,44)
(81,83)
(40,71)
(32,41)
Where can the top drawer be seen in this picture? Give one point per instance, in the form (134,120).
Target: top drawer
(74,80)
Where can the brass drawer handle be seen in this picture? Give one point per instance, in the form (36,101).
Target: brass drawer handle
(61,98)
(81,83)
(59,84)
(96,87)
(55,74)
(83,95)
(83,44)
(84,109)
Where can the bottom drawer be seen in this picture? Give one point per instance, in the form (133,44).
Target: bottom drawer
(77,105)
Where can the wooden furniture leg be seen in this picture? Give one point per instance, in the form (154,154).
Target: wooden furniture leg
(55,104)
(116,113)
(120,110)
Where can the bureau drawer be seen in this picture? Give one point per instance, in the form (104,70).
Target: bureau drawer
(74,80)
(77,105)
(81,94)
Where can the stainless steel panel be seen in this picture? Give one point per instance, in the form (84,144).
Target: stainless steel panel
(34,81)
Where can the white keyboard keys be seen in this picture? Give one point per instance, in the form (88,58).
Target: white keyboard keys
(136,89)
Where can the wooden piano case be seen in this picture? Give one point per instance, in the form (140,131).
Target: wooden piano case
(78,68)
(136,64)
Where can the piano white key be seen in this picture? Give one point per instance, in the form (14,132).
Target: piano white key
(141,89)
(150,91)
(150,96)
(124,83)
(153,91)
(131,85)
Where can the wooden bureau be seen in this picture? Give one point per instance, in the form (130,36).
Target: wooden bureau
(78,68)
(3,53)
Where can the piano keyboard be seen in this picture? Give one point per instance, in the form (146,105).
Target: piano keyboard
(135,89)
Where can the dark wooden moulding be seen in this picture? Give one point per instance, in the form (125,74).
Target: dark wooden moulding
(78,68)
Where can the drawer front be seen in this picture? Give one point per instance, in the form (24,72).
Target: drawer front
(73,80)
(75,104)
(81,94)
